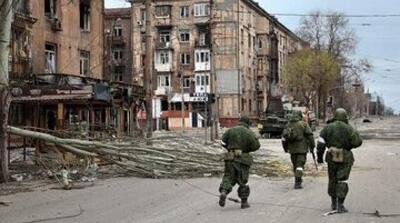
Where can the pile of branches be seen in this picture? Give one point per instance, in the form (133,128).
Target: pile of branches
(168,156)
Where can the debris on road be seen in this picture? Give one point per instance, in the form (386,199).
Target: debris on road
(366,121)
(5,203)
(165,156)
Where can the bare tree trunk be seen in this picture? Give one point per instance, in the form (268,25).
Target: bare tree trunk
(5,31)
(4,106)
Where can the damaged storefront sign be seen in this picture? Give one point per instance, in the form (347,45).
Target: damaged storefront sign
(198,97)
(189,97)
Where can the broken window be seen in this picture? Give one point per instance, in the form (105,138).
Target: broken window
(201,9)
(117,73)
(165,36)
(84,15)
(143,60)
(117,54)
(163,57)
(260,64)
(50,58)
(163,80)
(163,11)
(143,15)
(186,82)
(50,8)
(203,39)
(242,36)
(185,58)
(202,80)
(184,11)
(20,41)
(249,40)
(202,56)
(250,105)
(84,62)
(184,35)
(117,30)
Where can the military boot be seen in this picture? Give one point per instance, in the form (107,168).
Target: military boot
(297,183)
(340,207)
(244,204)
(222,199)
(334,203)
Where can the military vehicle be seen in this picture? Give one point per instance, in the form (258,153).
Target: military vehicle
(274,120)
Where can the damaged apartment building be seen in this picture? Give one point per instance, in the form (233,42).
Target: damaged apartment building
(57,74)
(231,50)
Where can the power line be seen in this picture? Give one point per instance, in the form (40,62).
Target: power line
(334,15)
(318,14)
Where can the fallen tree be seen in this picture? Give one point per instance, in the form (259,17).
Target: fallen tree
(169,156)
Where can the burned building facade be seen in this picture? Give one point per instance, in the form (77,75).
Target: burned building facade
(62,85)
(118,45)
(234,50)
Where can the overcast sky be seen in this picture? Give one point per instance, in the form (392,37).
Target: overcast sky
(379,39)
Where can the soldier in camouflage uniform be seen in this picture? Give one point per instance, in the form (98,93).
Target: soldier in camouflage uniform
(239,141)
(298,140)
(340,138)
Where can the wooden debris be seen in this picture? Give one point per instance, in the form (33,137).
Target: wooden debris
(169,156)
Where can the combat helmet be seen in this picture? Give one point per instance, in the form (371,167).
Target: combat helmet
(295,116)
(245,120)
(340,115)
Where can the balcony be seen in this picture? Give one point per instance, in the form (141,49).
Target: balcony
(262,51)
(201,20)
(23,18)
(164,46)
(202,89)
(202,44)
(163,61)
(118,62)
(163,67)
(163,22)
(202,60)
(161,91)
(118,40)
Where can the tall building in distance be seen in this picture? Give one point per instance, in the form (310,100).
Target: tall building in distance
(232,49)
(118,47)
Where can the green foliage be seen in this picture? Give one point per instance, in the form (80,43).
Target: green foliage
(309,72)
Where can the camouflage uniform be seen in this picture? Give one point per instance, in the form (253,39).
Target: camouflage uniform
(298,139)
(239,141)
(340,138)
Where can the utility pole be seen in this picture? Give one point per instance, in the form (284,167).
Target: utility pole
(182,104)
(214,106)
(5,31)
(148,75)
(238,59)
(206,110)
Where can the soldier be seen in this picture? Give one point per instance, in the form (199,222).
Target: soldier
(339,137)
(298,139)
(239,141)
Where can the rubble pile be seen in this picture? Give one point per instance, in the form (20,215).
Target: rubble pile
(165,156)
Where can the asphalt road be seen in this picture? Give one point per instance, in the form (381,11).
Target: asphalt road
(374,185)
